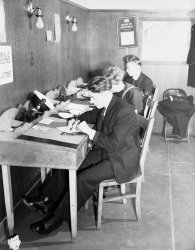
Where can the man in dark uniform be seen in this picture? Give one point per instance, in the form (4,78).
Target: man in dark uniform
(135,76)
(125,90)
(115,154)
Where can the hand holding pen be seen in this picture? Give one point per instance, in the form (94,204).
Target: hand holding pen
(73,123)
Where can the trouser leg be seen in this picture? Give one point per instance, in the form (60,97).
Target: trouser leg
(58,184)
(87,181)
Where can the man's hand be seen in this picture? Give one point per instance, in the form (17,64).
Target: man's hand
(73,123)
(83,127)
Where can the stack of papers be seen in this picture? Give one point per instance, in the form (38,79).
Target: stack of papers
(75,109)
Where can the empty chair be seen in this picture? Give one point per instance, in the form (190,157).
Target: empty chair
(137,181)
(177,109)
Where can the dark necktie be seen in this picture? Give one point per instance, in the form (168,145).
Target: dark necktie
(101,120)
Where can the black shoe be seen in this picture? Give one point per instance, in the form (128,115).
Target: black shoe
(47,225)
(42,204)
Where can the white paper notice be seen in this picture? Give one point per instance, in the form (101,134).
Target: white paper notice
(6,65)
(127,38)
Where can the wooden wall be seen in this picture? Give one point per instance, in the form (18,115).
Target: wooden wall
(41,65)
(104,51)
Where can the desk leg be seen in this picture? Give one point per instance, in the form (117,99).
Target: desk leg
(7,186)
(43,174)
(73,202)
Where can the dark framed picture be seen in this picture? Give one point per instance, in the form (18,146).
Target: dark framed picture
(126,32)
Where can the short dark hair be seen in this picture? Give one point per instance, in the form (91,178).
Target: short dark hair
(131,58)
(99,84)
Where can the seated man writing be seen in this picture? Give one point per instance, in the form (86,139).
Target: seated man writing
(115,154)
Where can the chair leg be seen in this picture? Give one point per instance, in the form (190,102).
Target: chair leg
(123,191)
(188,134)
(137,199)
(165,133)
(43,174)
(163,129)
(100,203)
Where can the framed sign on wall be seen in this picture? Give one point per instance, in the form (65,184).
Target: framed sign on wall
(126,32)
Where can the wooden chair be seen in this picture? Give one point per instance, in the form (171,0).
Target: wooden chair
(150,102)
(137,181)
(166,94)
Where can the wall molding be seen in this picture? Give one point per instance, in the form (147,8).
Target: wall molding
(144,10)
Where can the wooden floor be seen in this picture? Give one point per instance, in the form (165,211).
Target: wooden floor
(167,205)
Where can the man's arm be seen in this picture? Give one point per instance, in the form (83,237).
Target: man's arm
(124,128)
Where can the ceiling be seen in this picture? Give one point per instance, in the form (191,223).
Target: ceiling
(137,4)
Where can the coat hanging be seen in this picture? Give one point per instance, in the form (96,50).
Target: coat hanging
(191,59)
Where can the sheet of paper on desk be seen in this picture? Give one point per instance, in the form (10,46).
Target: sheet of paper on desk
(68,130)
(75,106)
(40,128)
(46,121)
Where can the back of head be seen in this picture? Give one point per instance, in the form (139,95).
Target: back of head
(99,84)
(131,58)
(114,74)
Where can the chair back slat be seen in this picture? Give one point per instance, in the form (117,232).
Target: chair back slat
(155,93)
(174,91)
(148,105)
(150,108)
(145,144)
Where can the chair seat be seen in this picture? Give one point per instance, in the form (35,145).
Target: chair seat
(113,182)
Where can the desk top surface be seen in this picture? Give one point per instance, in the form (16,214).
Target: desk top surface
(32,147)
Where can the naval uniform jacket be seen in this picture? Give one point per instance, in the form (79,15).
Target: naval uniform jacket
(133,96)
(144,83)
(117,135)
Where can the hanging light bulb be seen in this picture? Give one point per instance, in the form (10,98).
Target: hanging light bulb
(39,23)
(74,26)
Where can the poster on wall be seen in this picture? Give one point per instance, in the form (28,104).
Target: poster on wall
(2,23)
(6,65)
(126,32)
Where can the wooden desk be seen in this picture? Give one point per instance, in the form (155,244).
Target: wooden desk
(34,148)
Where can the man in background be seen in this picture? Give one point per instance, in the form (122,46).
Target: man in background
(135,76)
